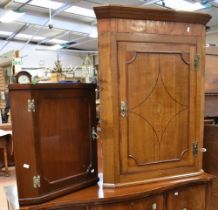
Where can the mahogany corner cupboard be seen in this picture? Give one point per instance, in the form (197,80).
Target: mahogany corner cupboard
(54,139)
(151,65)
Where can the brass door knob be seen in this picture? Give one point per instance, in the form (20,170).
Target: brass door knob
(176,193)
(203,150)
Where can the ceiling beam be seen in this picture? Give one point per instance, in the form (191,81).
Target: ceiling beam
(6,3)
(82,42)
(24,4)
(13,35)
(54,36)
(58,23)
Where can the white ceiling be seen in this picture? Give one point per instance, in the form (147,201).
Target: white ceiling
(75,30)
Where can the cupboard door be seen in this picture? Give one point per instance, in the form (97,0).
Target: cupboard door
(157,93)
(190,198)
(67,152)
(150,203)
(116,206)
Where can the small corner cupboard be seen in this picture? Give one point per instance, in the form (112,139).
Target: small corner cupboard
(54,139)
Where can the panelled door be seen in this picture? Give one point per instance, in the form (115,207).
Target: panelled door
(157,95)
(66,148)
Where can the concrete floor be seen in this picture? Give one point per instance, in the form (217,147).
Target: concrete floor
(6,181)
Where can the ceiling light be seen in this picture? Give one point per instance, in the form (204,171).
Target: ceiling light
(55,47)
(6,33)
(42,3)
(182,5)
(81,11)
(10,16)
(57,41)
(27,36)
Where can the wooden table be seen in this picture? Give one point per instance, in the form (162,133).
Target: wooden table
(6,126)
(4,144)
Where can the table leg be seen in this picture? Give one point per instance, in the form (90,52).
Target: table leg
(6,162)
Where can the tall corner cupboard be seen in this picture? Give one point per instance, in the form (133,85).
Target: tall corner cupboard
(151,65)
(54,139)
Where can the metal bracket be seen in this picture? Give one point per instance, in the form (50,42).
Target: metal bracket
(123,108)
(94,134)
(197,61)
(154,206)
(31,105)
(195,149)
(90,169)
(36,181)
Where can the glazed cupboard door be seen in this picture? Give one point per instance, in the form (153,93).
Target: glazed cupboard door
(66,150)
(157,94)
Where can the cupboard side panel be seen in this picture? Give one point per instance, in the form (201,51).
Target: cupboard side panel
(109,108)
(200,95)
(24,143)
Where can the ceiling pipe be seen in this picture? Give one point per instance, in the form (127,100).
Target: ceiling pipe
(67,50)
(85,41)
(24,4)
(13,35)
(6,3)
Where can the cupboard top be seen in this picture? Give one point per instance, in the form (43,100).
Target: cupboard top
(52,86)
(139,13)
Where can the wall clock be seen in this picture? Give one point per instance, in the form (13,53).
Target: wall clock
(23,77)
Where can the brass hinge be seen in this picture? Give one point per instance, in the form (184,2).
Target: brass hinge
(197,61)
(123,108)
(94,134)
(36,181)
(90,169)
(31,105)
(195,149)
(154,206)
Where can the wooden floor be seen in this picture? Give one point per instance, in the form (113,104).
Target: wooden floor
(5,181)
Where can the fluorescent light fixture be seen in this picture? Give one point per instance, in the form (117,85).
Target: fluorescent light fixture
(55,47)
(10,16)
(42,3)
(27,36)
(182,5)
(5,33)
(57,41)
(81,11)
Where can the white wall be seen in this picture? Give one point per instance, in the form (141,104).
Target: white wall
(33,58)
(212,38)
